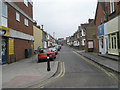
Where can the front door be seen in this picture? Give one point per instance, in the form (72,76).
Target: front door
(4,51)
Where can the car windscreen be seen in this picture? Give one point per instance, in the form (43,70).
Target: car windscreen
(45,51)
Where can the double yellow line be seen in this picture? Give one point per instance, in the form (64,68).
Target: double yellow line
(61,74)
(98,66)
(62,71)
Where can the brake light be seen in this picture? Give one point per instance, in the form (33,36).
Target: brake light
(39,55)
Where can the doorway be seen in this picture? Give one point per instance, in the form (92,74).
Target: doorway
(4,50)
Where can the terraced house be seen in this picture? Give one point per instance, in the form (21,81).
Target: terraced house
(17,30)
(107,20)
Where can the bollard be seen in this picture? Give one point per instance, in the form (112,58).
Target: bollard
(48,64)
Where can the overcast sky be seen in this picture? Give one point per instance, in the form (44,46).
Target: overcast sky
(63,16)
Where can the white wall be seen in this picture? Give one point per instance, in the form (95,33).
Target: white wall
(20,35)
(111,26)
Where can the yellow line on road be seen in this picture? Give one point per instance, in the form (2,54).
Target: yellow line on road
(63,70)
(96,65)
(60,71)
(59,75)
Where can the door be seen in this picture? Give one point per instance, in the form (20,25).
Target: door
(4,51)
(114,44)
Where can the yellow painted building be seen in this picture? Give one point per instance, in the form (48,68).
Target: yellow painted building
(37,32)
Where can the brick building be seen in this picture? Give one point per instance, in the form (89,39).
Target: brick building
(107,20)
(90,35)
(17,28)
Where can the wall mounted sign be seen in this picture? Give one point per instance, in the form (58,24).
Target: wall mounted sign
(101,30)
(4,31)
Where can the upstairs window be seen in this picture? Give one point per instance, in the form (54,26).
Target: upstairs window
(26,2)
(4,10)
(112,6)
(26,21)
(17,16)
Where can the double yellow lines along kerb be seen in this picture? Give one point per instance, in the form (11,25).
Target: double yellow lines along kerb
(98,66)
(60,75)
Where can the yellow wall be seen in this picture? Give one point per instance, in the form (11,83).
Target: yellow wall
(37,37)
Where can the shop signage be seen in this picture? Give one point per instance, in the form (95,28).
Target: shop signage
(101,30)
(4,31)
(11,46)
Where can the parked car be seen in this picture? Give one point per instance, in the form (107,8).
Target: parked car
(54,50)
(60,46)
(57,47)
(44,53)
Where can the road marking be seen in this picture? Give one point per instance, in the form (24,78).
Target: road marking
(61,74)
(60,71)
(96,65)
(63,70)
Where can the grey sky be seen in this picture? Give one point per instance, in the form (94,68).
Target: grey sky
(63,16)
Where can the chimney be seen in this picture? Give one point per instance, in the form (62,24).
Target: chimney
(35,23)
(38,26)
(90,20)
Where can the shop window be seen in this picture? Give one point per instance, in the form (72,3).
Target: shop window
(109,42)
(118,36)
(102,43)
(112,7)
(112,42)
(115,43)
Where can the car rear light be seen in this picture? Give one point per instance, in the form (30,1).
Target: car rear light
(39,55)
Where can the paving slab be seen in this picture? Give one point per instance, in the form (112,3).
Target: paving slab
(27,72)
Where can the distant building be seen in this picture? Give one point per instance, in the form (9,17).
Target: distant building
(90,35)
(37,32)
(17,30)
(61,41)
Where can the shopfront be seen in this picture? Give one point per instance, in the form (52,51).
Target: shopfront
(103,39)
(113,35)
(5,33)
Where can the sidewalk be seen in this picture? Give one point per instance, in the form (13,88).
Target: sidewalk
(25,73)
(106,62)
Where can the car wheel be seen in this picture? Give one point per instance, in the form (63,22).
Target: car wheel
(38,60)
(52,59)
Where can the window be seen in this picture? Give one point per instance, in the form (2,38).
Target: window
(112,43)
(26,22)
(4,13)
(26,2)
(83,42)
(4,10)
(17,16)
(112,7)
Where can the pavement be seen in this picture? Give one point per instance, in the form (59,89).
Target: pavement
(27,72)
(110,62)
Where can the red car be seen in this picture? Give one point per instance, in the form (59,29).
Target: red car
(44,53)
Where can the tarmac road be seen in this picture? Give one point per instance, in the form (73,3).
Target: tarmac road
(80,74)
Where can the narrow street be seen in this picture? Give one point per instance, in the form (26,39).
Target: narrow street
(80,74)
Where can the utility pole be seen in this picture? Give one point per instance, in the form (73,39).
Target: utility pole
(53,34)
